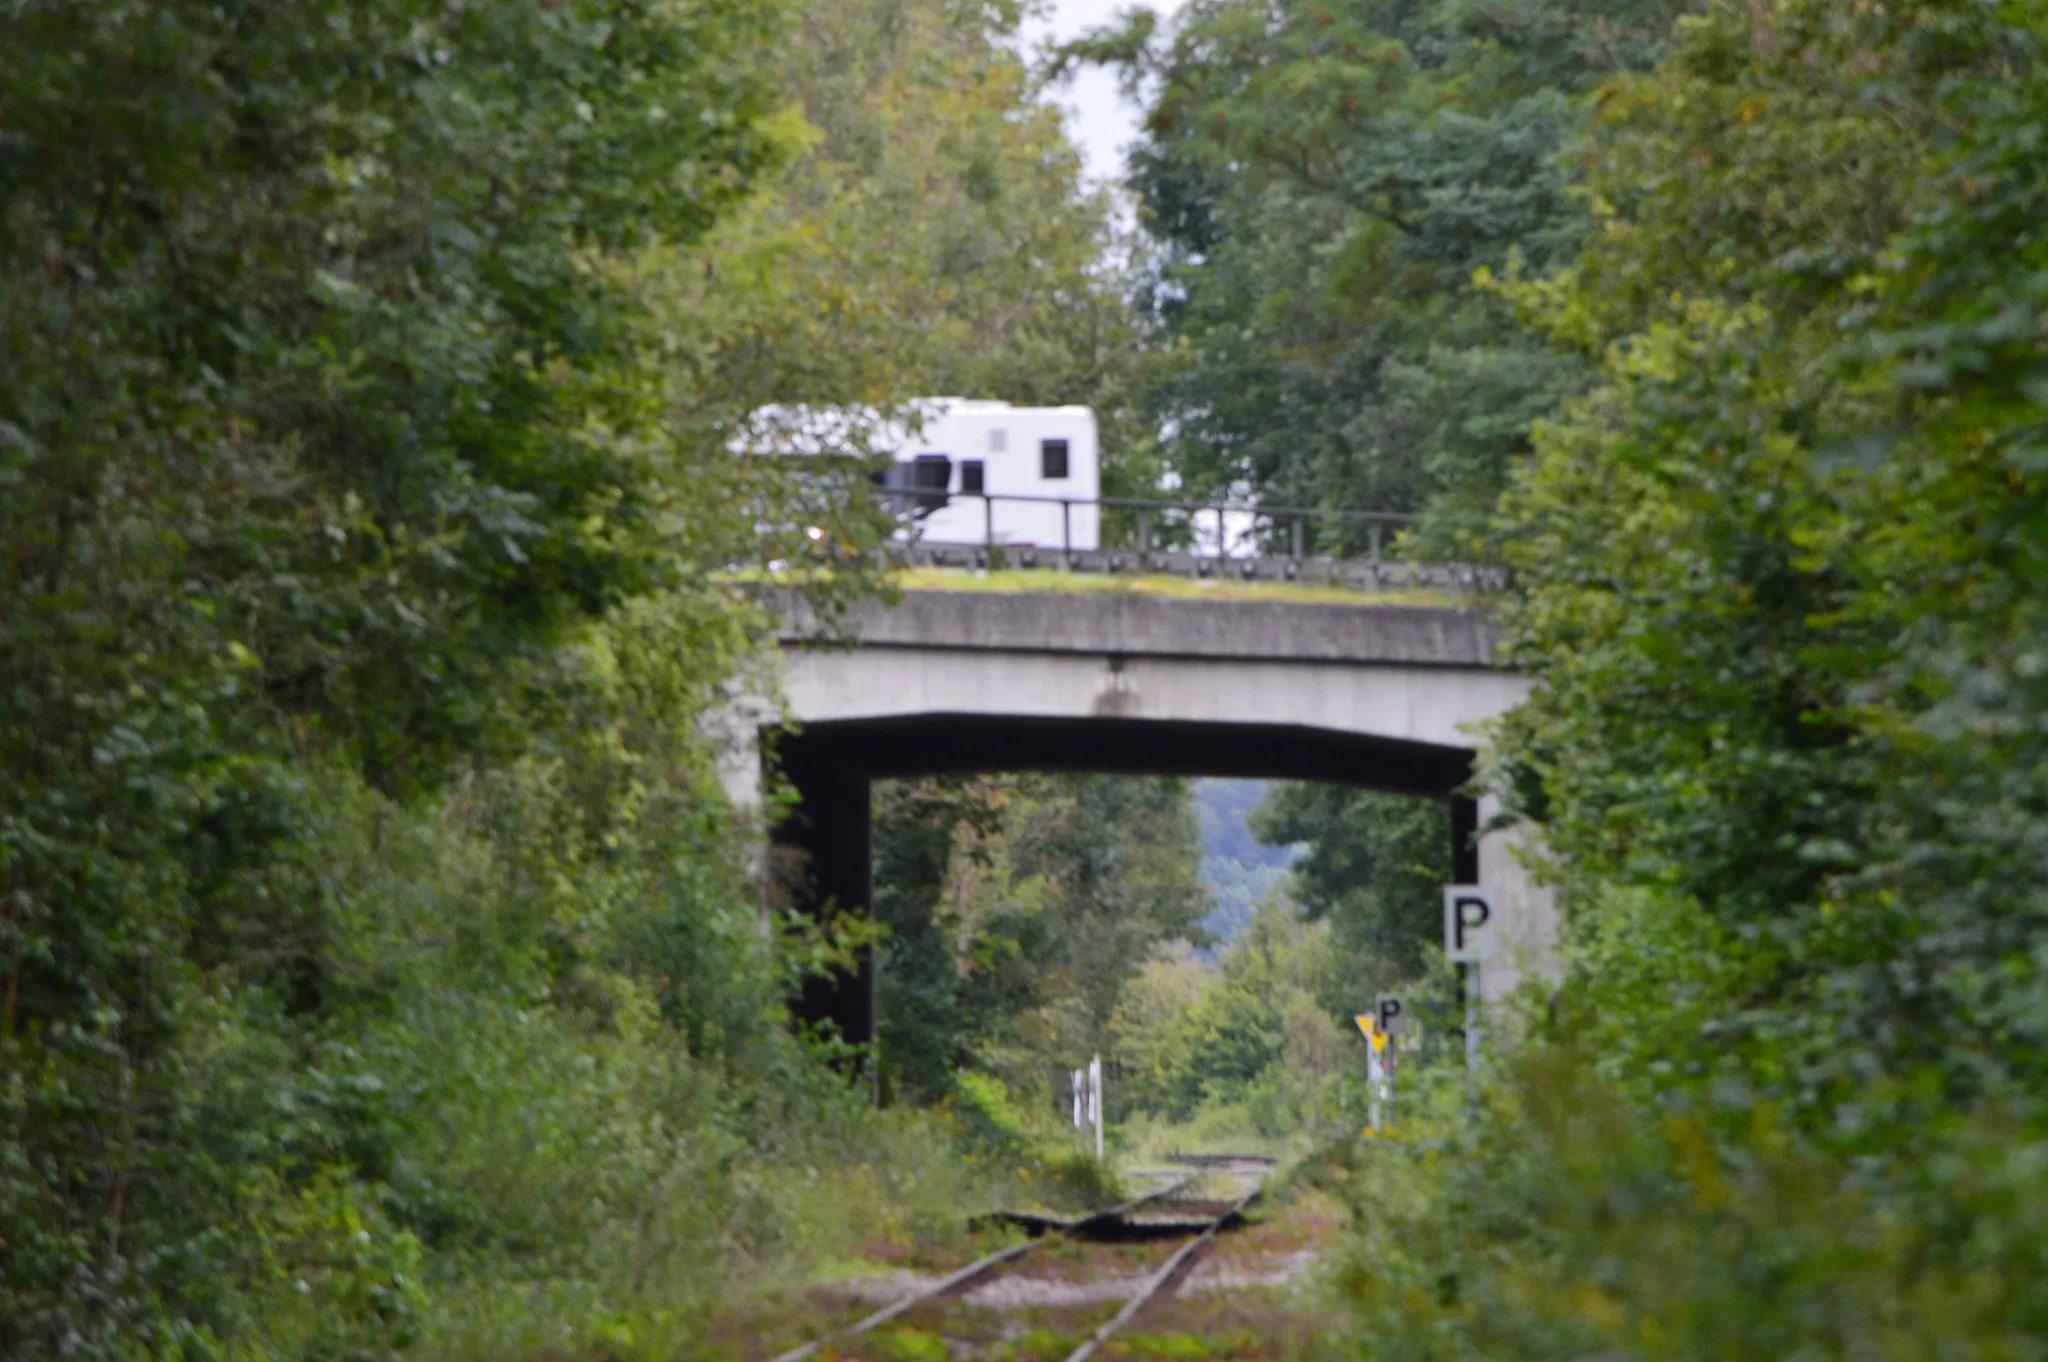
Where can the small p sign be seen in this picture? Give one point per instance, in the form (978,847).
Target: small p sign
(1471,922)
(1393,1016)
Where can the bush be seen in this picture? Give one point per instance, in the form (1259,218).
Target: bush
(1564,1223)
(1077,1176)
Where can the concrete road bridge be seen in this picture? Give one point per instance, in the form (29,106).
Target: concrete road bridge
(1389,697)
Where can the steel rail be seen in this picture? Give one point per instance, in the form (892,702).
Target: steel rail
(980,1267)
(1165,1279)
(1088,1224)
(973,1272)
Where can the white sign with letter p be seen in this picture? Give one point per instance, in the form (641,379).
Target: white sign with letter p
(1471,923)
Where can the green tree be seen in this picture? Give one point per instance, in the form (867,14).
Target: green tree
(929,236)
(1246,1039)
(1019,909)
(1782,604)
(950,958)
(1325,176)
(1767,518)
(1375,869)
(328,456)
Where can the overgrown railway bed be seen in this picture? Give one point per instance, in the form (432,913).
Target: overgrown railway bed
(1072,1287)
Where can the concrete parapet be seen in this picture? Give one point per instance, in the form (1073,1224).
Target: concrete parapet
(1134,625)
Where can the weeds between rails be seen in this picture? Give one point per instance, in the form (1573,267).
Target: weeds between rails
(1117,1224)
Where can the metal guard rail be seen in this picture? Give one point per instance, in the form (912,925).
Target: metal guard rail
(922,502)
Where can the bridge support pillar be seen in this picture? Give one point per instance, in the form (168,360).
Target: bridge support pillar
(1529,931)
(819,865)
(1465,840)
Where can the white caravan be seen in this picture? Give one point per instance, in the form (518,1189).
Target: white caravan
(990,471)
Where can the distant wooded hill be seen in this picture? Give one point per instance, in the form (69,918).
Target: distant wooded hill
(1238,868)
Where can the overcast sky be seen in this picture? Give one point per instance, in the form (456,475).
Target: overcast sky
(1098,118)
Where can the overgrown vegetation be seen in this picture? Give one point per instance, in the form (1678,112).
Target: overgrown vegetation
(1780,592)
(1018,909)
(1323,176)
(1035,921)
(1756,350)
(379,967)
(378,964)
(1260,1042)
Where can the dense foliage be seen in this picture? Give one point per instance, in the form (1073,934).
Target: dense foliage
(1243,1046)
(1018,909)
(1323,177)
(378,962)
(1782,598)
(1374,867)
(1256,1037)
(1808,460)
(928,236)
(1034,921)
(321,452)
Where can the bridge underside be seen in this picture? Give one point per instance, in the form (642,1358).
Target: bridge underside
(822,849)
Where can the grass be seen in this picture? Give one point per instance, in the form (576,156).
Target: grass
(1224,1130)
(1051,582)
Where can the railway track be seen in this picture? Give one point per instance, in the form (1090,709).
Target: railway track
(1130,1221)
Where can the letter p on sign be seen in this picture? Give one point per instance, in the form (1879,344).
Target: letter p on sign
(1471,922)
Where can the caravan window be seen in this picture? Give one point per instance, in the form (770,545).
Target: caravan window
(917,487)
(1052,459)
(971,482)
(998,441)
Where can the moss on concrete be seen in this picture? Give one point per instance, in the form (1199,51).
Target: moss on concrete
(1050,581)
